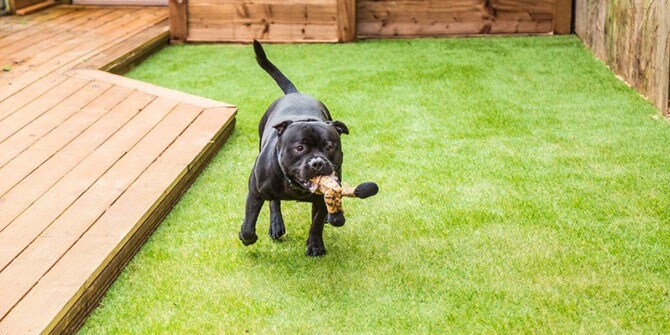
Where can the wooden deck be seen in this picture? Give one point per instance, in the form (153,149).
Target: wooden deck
(90,162)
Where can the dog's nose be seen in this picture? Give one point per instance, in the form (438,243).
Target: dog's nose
(317,164)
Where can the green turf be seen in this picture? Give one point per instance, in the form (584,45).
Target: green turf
(523,189)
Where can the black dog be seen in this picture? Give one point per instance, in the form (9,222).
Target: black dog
(298,140)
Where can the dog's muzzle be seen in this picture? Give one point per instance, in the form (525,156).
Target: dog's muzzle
(319,166)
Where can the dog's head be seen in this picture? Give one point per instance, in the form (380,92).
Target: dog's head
(310,148)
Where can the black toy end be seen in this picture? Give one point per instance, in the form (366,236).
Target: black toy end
(336,219)
(366,190)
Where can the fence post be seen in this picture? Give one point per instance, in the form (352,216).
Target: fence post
(178,13)
(562,17)
(346,20)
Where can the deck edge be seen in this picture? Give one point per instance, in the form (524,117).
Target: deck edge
(75,316)
(125,62)
(146,87)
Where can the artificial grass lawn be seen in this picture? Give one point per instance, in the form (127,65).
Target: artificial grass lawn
(523,189)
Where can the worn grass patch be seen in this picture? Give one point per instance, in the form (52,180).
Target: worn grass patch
(524,189)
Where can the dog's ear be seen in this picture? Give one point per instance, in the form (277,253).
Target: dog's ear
(280,127)
(340,127)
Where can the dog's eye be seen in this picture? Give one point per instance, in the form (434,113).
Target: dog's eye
(330,148)
(299,148)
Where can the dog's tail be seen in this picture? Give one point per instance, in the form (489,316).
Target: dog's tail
(283,82)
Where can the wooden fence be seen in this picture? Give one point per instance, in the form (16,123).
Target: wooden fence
(633,38)
(344,20)
(389,18)
(266,20)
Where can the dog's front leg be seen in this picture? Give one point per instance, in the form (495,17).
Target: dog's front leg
(277,227)
(315,245)
(248,231)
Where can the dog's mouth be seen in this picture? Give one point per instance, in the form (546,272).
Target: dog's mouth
(305,181)
(303,174)
(302,179)
(306,184)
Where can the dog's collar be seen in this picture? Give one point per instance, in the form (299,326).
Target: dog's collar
(292,184)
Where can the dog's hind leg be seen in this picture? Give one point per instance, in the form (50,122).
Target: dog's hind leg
(277,227)
(248,231)
(315,245)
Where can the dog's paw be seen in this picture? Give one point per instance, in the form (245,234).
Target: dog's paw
(277,229)
(315,248)
(315,251)
(248,238)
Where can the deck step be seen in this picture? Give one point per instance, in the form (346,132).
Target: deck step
(35,8)
(124,55)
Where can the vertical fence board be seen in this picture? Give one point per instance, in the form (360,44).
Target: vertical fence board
(562,17)
(346,14)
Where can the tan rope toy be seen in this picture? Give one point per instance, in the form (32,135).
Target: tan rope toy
(333,192)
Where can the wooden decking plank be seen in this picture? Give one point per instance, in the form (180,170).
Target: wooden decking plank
(13,21)
(72,275)
(44,124)
(12,123)
(156,15)
(29,195)
(54,152)
(132,241)
(20,275)
(15,97)
(131,21)
(106,35)
(50,205)
(119,57)
(68,48)
(25,38)
(13,24)
(54,38)
(75,313)
(19,49)
(146,87)
(11,100)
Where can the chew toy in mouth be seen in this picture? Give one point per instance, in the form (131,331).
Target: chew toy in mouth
(333,192)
